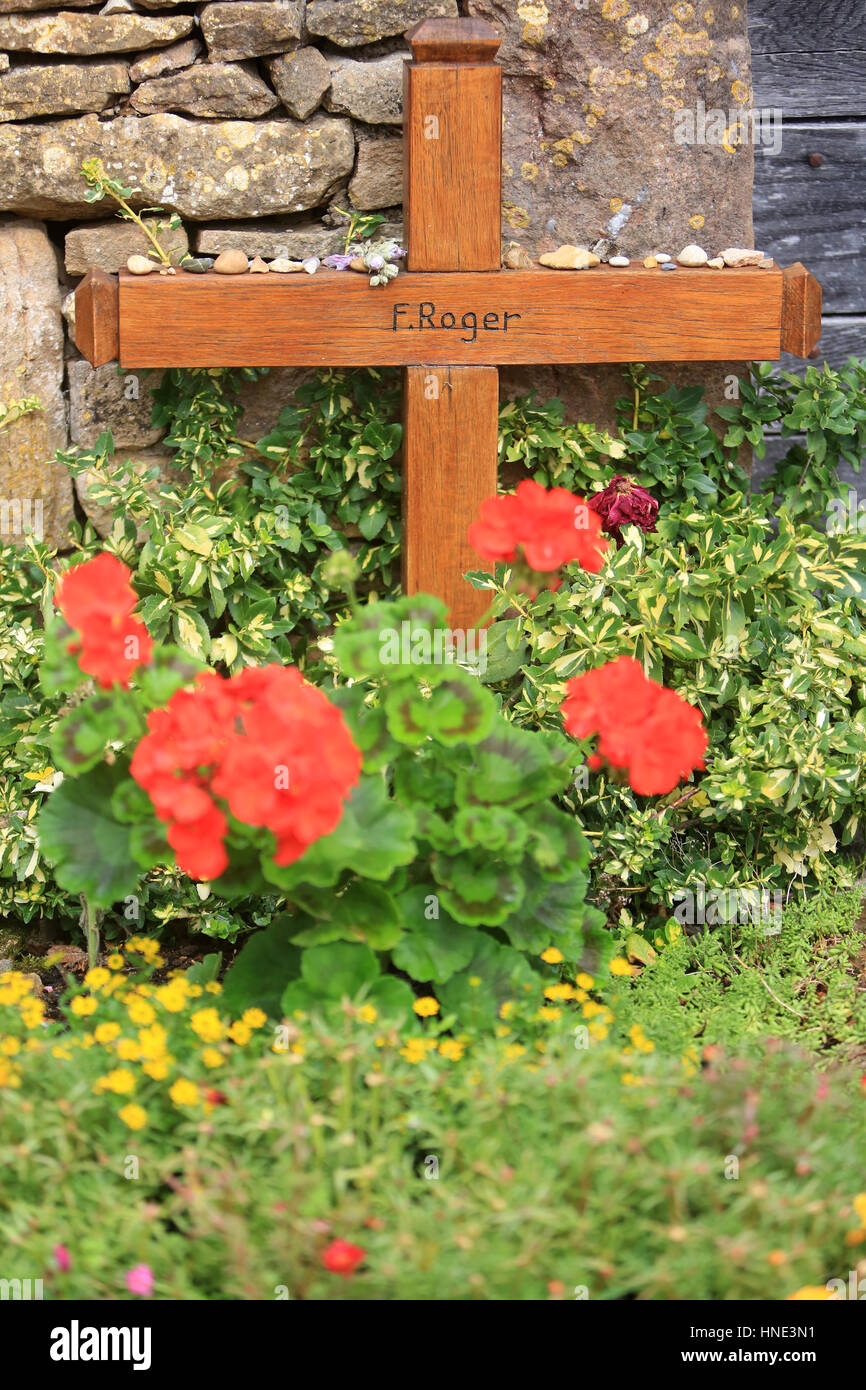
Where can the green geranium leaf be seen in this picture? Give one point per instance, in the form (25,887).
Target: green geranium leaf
(266,963)
(374,837)
(333,972)
(89,849)
(432,948)
(169,670)
(495,974)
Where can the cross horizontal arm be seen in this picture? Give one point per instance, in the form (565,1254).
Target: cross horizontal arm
(460,318)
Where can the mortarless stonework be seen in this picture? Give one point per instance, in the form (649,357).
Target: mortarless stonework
(253,119)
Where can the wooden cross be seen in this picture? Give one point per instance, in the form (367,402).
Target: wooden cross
(454,316)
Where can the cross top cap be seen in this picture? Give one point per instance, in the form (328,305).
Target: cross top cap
(453,41)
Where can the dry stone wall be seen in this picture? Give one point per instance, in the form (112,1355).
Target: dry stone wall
(254,119)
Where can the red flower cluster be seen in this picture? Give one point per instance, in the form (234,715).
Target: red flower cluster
(624,503)
(265,743)
(341,1257)
(97,599)
(552,528)
(652,732)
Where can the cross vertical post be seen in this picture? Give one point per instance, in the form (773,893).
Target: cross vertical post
(452,132)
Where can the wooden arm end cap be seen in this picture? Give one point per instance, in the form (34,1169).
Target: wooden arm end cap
(801,311)
(96,318)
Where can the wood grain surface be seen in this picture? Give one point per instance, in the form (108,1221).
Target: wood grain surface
(465,319)
(96,317)
(450,424)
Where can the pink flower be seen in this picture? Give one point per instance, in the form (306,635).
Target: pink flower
(61,1258)
(139,1280)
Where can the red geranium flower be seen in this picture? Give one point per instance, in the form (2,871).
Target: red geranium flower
(341,1257)
(624,503)
(97,599)
(550,528)
(650,731)
(266,746)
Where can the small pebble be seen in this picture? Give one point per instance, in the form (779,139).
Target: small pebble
(233,262)
(197,265)
(358,264)
(693,256)
(281,266)
(619,260)
(258,267)
(140,265)
(516,257)
(767,263)
(568,258)
(311,264)
(669,265)
(603,248)
(737,256)
(716,263)
(662,257)
(651,263)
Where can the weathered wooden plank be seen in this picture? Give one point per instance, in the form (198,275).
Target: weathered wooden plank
(809,59)
(464,319)
(814,214)
(454,40)
(450,429)
(96,317)
(452,140)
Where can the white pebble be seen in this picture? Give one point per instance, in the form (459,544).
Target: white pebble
(619,260)
(662,257)
(693,256)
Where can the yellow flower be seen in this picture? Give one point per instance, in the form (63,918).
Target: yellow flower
(97,977)
(812,1291)
(83,1004)
(8,1075)
(140,1012)
(366,1013)
(63,1054)
(114,961)
(173,996)
(628,1078)
(240,1033)
(513,1051)
(859,1205)
(620,966)
(157,1068)
(598,1030)
(106,1032)
(133,1116)
(257,1018)
(414,1051)
(152,1041)
(195,991)
(584,981)
(10,1046)
(506,1009)
(207,1024)
(562,991)
(120,1081)
(32,1012)
(548,1015)
(581,996)
(590,1009)
(553,955)
(426,1006)
(474,981)
(452,1049)
(213,987)
(211,1057)
(184,1092)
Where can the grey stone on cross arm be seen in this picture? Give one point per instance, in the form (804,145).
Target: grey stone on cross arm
(300,80)
(60,89)
(378,178)
(109,245)
(351,22)
(226,90)
(32,484)
(249,28)
(164,60)
(371,91)
(200,169)
(90,33)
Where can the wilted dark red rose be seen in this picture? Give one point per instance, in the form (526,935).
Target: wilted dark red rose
(624,503)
